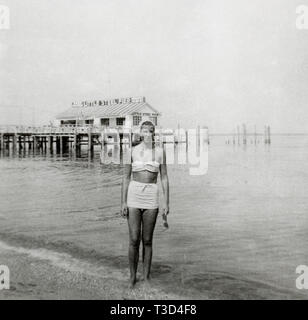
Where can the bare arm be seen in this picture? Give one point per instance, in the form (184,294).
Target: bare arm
(165,183)
(125,183)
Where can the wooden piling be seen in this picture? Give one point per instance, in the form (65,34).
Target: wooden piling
(265,134)
(90,145)
(41,139)
(19,142)
(186,140)
(74,141)
(30,143)
(24,142)
(50,143)
(244,134)
(238,134)
(2,142)
(78,142)
(15,142)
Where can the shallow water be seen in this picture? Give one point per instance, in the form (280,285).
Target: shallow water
(238,231)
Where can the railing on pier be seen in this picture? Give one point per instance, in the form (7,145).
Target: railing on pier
(50,130)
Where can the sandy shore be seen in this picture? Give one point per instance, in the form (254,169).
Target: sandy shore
(43,274)
(38,273)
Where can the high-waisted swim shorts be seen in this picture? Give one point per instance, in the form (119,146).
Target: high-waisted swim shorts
(142,195)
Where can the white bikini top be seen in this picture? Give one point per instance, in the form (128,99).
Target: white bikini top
(152,166)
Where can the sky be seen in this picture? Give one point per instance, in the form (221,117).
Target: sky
(218,63)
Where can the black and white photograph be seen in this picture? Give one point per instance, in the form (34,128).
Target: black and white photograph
(153,150)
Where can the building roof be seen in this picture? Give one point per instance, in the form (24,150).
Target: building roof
(105,111)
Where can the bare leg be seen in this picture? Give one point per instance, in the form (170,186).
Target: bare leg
(134,226)
(148,224)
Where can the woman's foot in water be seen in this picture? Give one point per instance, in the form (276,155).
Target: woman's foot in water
(147,282)
(132,283)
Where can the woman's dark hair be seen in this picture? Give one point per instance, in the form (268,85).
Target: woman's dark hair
(152,130)
(148,124)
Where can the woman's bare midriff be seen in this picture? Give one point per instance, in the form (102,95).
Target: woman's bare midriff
(145,176)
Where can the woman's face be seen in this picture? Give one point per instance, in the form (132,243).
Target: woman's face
(147,133)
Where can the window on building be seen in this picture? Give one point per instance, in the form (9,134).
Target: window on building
(105,122)
(136,120)
(154,120)
(120,121)
(90,121)
(68,122)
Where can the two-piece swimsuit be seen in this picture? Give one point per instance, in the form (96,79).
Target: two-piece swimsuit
(143,195)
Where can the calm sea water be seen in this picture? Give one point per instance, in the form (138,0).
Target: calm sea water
(238,231)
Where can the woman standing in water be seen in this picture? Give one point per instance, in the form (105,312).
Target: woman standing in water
(140,198)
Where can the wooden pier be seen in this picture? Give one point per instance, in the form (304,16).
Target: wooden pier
(47,138)
(65,138)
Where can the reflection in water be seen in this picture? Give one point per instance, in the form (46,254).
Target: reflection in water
(239,230)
